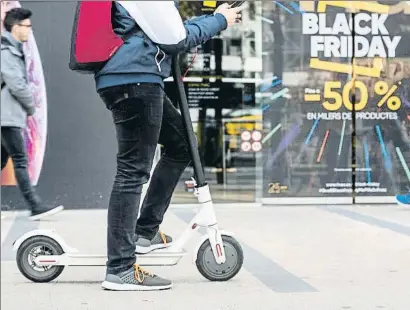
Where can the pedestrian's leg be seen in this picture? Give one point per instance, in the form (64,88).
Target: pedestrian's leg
(13,141)
(164,180)
(137,122)
(4,157)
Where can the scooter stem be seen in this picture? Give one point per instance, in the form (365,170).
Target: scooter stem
(183,105)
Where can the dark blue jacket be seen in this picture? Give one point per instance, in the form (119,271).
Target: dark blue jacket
(140,60)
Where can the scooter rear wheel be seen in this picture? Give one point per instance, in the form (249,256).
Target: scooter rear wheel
(35,246)
(210,269)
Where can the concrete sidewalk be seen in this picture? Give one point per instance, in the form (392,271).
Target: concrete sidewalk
(295,258)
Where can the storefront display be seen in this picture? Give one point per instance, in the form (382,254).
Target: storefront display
(338,120)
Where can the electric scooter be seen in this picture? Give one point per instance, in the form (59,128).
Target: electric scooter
(42,255)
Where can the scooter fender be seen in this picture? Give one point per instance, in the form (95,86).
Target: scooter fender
(47,233)
(204,238)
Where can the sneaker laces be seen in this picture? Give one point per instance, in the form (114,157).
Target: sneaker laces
(163,237)
(141,273)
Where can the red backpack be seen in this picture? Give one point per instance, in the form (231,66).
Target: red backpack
(93,40)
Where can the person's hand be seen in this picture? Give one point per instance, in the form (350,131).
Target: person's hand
(232,15)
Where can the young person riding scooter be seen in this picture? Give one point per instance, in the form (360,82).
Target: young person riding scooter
(131,85)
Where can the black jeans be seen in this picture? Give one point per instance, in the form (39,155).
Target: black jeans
(143,117)
(12,145)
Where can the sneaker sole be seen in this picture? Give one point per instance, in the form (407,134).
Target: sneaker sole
(146,250)
(131,287)
(48,213)
(403,205)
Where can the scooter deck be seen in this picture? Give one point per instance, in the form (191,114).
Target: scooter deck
(151,259)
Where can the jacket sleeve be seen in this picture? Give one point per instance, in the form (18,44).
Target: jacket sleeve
(196,19)
(198,31)
(15,81)
(162,23)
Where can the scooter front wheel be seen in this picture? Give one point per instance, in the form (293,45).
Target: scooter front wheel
(33,247)
(210,269)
